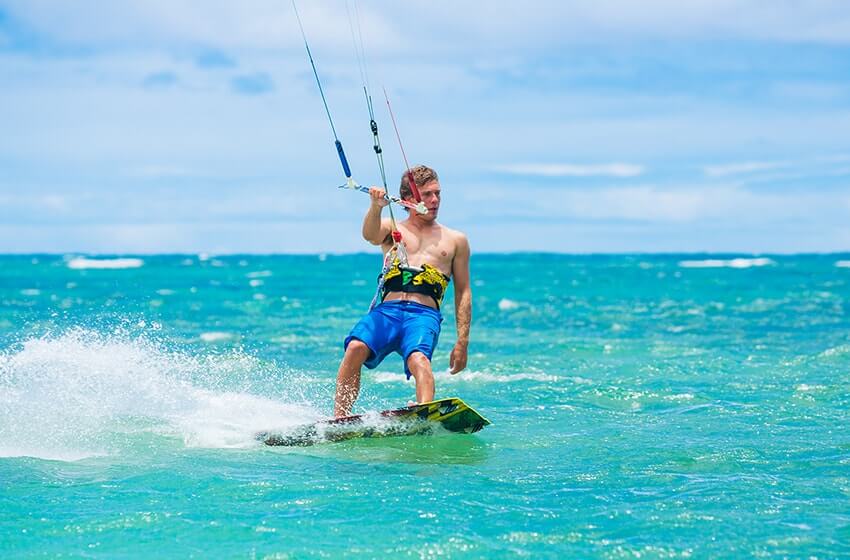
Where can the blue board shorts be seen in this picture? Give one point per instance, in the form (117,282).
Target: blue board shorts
(398,326)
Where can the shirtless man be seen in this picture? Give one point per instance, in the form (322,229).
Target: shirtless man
(408,319)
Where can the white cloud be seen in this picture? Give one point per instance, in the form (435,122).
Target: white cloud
(811,91)
(634,218)
(165,171)
(573,170)
(580,237)
(466,100)
(54,202)
(214,238)
(835,158)
(20,205)
(825,21)
(509,26)
(678,206)
(644,203)
(824,165)
(743,167)
(260,24)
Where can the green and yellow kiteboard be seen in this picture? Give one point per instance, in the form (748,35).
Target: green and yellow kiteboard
(451,414)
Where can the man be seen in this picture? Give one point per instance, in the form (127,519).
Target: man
(408,318)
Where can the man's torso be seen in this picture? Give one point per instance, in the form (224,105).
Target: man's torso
(435,246)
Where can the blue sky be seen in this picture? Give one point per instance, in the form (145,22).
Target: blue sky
(572,126)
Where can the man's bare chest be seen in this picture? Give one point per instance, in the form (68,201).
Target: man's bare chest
(436,249)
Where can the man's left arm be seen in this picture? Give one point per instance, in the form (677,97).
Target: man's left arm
(463,304)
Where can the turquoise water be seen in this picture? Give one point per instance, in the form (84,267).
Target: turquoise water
(643,407)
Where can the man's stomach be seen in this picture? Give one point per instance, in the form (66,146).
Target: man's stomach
(418,298)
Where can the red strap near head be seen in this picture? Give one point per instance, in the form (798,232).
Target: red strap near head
(396,236)
(413,188)
(410,178)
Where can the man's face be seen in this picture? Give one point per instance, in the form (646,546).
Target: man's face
(430,193)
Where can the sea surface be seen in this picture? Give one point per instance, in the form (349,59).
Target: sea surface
(643,406)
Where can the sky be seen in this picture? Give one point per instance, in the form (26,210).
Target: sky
(574,126)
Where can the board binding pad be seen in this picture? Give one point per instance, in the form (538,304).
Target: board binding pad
(452,414)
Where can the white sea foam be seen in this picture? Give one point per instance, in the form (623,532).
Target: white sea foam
(469,376)
(506,304)
(215,336)
(287,339)
(81,263)
(842,264)
(679,397)
(83,394)
(727,263)
(390,377)
(259,274)
(805,388)
(31,292)
(835,351)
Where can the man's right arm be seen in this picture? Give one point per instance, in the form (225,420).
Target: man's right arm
(376,231)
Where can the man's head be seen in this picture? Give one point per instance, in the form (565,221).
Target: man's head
(428,184)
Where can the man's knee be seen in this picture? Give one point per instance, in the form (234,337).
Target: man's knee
(418,363)
(357,350)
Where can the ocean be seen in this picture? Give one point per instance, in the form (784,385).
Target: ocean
(643,406)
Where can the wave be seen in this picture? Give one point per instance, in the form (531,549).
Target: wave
(727,263)
(82,263)
(84,394)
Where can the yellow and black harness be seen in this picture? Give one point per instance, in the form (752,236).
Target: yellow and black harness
(423,280)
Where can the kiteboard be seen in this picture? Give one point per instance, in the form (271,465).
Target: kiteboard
(451,414)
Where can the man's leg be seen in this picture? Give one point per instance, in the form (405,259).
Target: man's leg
(420,369)
(348,378)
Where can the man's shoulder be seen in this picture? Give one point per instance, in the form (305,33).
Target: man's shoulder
(455,234)
(459,241)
